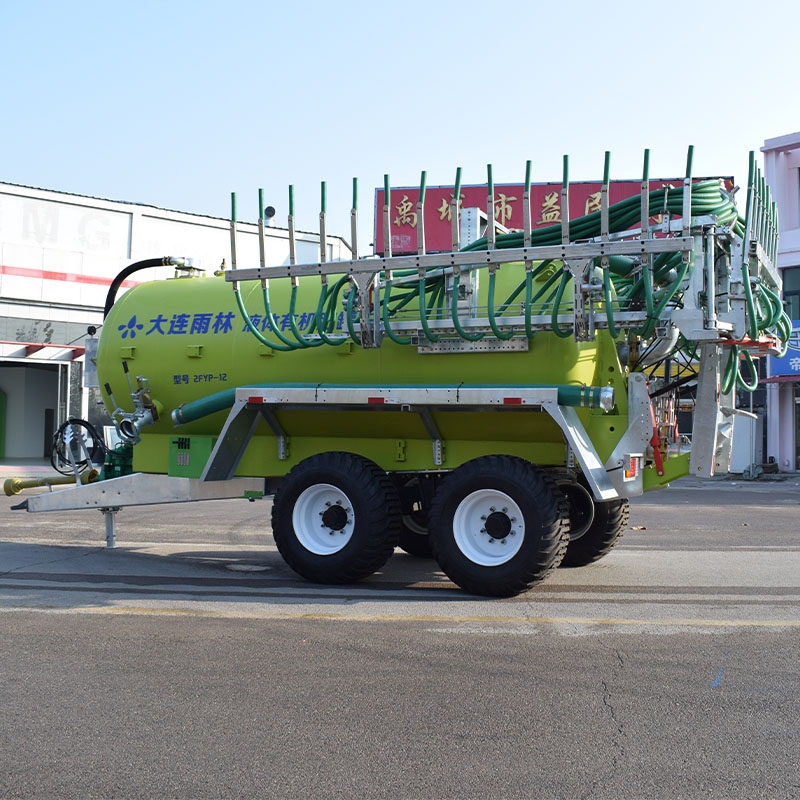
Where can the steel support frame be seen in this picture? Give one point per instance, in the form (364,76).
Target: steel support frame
(253,403)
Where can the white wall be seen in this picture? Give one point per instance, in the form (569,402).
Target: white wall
(61,251)
(782,173)
(58,255)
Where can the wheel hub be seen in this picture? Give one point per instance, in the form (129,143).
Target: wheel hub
(498,525)
(334,517)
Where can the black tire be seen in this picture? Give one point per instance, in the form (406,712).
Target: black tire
(581,506)
(610,520)
(414,535)
(336,518)
(498,526)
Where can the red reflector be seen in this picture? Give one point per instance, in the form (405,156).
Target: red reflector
(512,401)
(376,401)
(256,400)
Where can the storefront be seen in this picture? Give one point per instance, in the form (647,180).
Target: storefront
(782,171)
(783,397)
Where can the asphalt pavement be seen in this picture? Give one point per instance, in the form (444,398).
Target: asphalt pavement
(191,662)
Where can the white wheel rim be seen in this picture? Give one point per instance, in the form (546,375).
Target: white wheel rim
(323,519)
(488,527)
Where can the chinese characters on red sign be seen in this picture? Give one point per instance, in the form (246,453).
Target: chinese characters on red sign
(584,198)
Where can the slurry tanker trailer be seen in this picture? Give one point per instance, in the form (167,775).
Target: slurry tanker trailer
(494,406)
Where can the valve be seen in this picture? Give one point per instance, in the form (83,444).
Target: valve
(145,410)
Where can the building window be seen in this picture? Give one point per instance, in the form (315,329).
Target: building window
(791,291)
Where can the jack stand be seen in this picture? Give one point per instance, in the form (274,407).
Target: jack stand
(110,517)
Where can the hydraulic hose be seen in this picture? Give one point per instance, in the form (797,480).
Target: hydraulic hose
(111,296)
(67,453)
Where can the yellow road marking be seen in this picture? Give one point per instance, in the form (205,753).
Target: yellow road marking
(420,618)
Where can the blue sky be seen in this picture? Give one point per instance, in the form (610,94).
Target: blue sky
(176,104)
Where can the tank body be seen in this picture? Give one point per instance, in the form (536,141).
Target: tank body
(187,338)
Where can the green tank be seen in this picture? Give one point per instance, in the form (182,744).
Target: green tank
(187,338)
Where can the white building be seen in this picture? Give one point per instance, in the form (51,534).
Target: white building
(782,173)
(59,254)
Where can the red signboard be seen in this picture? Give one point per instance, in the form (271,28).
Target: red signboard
(584,198)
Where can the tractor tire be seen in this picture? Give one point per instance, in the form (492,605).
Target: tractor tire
(414,535)
(610,520)
(336,518)
(498,525)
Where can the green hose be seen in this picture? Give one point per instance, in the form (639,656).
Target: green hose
(252,328)
(464,334)
(564,333)
(581,396)
(325,318)
(301,339)
(491,312)
(273,326)
(351,304)
(627,284)
(423,314)
(732,376)
(387,327)
(196,409)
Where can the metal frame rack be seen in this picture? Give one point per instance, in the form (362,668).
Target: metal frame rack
(724,264)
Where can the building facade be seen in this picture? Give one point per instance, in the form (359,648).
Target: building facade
(782,173)
(59,254)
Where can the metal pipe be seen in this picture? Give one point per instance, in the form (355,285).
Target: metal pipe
(13,486)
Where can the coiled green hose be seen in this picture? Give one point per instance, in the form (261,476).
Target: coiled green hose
(623,282)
